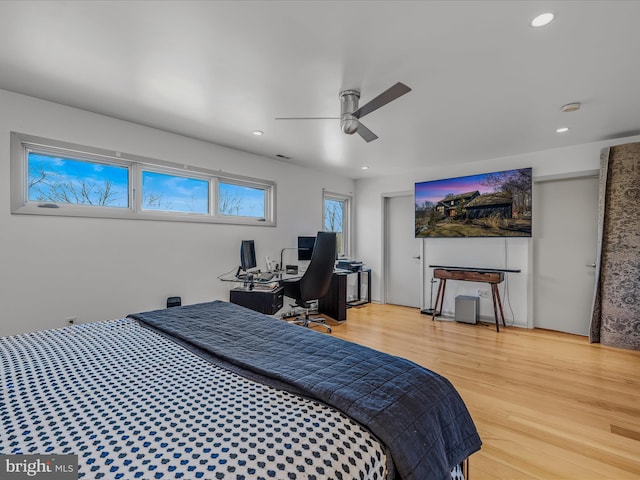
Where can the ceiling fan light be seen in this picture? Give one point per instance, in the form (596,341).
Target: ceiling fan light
(349,124)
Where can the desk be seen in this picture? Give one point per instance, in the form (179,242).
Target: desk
(468,274)
(334,304)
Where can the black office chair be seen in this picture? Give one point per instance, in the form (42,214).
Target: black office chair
(314,283)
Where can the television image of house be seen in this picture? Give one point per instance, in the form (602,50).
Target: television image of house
(451,205)
(499,204)
(496,204)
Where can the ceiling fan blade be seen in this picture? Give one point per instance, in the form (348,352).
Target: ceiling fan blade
(307,118)
(381,100)
(366,134)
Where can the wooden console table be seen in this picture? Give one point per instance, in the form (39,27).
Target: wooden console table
(467,274)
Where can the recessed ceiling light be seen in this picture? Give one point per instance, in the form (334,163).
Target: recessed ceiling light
(364,168)
(562,129)
(257,133)
(542,19)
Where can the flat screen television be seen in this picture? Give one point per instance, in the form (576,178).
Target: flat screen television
(496,204)
(305,247)
(248,255)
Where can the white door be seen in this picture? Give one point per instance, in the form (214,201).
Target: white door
(565,231)
(403,280)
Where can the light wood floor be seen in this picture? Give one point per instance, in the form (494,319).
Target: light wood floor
(547,405)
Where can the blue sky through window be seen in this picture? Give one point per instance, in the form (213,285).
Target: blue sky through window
(65,180)
(240,200)
(333,210)
(172,193)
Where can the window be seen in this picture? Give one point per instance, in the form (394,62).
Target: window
(56,178)
(336,213)
(59,179)
(174,193)
(241,200)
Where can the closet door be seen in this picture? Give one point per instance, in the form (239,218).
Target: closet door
(565,231)
(403,280)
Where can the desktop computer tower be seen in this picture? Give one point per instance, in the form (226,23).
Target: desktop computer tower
(467,309)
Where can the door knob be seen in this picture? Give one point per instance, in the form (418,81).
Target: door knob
(592,265)
(417,258)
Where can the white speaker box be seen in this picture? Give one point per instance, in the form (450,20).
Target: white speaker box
(467,309)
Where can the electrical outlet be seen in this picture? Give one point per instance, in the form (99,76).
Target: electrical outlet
(71,320)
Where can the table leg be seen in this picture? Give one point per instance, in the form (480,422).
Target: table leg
(500,305)
(441,285)
(495,308)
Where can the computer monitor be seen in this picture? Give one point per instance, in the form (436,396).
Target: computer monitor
(305,247)
(248,255)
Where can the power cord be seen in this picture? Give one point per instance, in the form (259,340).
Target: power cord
(505,292)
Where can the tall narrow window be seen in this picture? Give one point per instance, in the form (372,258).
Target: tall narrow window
(336,216)
(174,193)
(57,179)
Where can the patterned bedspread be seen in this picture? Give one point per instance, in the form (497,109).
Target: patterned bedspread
(416,413)
(132,404)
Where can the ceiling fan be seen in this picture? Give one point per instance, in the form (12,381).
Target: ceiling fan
(350,114)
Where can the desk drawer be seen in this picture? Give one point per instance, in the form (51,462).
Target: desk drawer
(449,274)
(469,275)
(489,277)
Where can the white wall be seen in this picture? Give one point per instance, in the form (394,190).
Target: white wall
(513,253)
(52,268)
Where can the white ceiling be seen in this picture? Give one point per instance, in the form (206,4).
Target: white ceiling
(485,84)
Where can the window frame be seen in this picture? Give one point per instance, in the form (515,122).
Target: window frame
(347,200)
(23,144)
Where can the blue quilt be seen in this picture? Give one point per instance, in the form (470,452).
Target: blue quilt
(415,412)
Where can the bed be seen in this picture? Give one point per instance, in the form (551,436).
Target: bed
(217,391)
